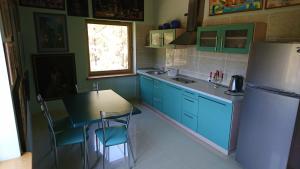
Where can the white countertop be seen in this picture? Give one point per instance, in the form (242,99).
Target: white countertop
(200,86)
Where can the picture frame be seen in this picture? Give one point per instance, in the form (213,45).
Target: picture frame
(56,4)
(51,32)
(131,10)
(219,7)
(6,19)
(280,3)
(78,8)
(11,62)
(54,74)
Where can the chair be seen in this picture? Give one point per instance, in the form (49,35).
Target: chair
(58,125)
(114,135)
(68,136)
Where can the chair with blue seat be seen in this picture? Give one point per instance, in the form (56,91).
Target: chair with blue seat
(69,136)
(58,125)
(114,135)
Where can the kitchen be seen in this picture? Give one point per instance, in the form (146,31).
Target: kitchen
(281,24)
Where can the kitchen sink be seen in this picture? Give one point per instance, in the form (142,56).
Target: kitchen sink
(183,80)
(155,72)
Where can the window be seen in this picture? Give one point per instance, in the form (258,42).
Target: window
(110,47)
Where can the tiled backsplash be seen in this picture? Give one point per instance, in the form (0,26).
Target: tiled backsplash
(199,64)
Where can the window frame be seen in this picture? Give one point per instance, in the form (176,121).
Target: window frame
(130,49)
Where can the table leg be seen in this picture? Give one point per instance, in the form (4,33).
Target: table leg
(85,146)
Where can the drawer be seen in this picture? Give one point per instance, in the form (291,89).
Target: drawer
(190,94)
(189,121)
(157,103)
(190,105)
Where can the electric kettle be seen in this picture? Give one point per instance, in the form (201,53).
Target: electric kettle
(236,84)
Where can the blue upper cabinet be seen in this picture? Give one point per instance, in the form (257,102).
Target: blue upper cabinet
(214,120)
(172,101)
(234,38)
(146,88)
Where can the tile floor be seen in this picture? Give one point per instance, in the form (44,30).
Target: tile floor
(157,144)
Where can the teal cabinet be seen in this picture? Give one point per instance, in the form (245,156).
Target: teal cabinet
(163,38)
(208,38)
(146,89)
(189,121)
(214,120)
(235,38)
(189,111)
(158,95)
(172,101)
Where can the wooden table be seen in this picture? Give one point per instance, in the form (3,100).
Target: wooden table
(84,108)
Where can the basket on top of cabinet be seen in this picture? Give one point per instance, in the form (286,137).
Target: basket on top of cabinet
(234,38)
(163,38)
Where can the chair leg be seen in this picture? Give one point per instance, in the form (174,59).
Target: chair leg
(129,167)
(56,159)
(103,158)
(97,146)
(131,150)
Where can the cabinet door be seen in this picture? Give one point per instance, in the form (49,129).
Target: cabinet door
(156,38)
(146,86)
(214,120)
(208,39)
(168,37)
(172,101)
(157,95)
(237,38)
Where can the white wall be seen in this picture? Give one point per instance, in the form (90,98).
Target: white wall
(9,141)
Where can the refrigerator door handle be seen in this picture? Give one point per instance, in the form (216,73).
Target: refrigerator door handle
(275,91)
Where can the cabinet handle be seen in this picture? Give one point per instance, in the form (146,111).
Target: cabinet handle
(189,92)
(188,116)
(147,78)
(189,100)
(174,87)
(222,43)
(213,101)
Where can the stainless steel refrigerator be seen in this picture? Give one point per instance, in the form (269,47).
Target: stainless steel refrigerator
(268,128)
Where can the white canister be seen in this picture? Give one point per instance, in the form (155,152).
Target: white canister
(172,72)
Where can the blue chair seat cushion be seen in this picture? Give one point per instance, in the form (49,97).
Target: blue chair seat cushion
(113,135)
(62,124)
(69,136)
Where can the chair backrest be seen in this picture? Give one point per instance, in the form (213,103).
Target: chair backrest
(41,101)
(104,120)
(46,116)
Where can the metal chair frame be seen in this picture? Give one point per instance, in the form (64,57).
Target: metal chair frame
(105,124)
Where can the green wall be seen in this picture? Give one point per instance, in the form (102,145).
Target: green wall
(125,86)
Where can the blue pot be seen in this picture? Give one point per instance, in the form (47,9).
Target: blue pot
(175,24)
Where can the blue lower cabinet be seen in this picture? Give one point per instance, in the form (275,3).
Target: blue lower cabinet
(189,111)
(146,88)
(172,101)
(214,120)
(158,95)
(189,120)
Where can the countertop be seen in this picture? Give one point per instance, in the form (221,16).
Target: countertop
(23,162)
(200,86)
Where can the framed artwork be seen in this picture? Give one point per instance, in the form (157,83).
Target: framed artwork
(11,62)
(55,75)
(281,3)
(7,25)
(51,32)
(218,7)
(49,4)
(78,8)
(132,10)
